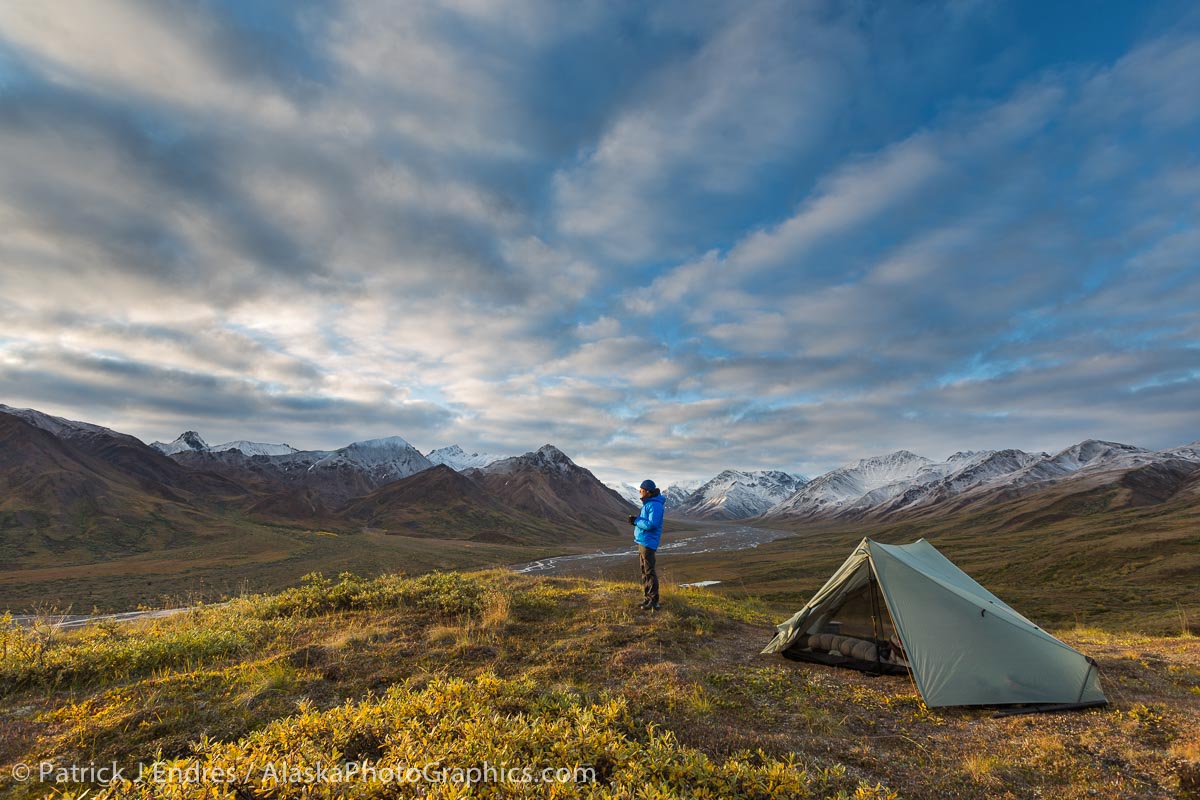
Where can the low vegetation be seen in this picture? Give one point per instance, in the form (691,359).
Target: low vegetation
(341,686)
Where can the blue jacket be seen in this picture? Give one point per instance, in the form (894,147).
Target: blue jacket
(647,528)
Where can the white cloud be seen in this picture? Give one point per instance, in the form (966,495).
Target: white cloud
(1151,84)
(853,196)
(159,51)
(764,83)
(603,327)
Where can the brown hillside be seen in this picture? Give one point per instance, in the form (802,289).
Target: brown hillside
(445,503)
(547,484)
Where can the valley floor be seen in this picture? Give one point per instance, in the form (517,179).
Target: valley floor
(466,668)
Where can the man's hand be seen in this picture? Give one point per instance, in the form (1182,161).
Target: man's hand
(632,519)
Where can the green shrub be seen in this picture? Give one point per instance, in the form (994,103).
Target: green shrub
(451,726)
(29,658)
(442,592)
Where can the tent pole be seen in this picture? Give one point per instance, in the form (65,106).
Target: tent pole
(875,615)
(1092,665)
(912,676)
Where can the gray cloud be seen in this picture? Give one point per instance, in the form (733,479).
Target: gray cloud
(668,239)
(118,391)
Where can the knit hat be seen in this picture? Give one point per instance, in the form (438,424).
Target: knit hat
(648,485)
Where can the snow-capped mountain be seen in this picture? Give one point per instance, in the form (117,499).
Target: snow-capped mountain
(903,482)
(333,475)
(1086,456)
(676,494)
(1188,451)
(735,494)
(959,474)
(458,459)
(58,426)
(382,460)
(188,441)
(886,476)
(255,448)
(192,442)
(547,458)
(628,491)
(1093,451)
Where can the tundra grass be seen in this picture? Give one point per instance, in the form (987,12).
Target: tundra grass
(465,670)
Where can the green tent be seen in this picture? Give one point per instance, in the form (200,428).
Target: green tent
(906,608)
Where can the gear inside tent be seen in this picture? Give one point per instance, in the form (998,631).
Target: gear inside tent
(907,608)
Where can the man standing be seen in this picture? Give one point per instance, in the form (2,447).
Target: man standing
(647,528)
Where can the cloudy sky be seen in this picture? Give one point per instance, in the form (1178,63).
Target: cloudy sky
(670,238)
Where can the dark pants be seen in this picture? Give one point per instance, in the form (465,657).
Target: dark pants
(649,576)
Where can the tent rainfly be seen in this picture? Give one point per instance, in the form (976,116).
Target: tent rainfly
(907,608)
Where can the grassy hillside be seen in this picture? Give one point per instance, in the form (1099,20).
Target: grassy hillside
(459,669)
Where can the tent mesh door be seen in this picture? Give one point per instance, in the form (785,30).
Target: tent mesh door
(862,616)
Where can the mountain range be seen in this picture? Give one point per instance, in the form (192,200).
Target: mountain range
(279,481)
(89,512)
(674,494)
(905,485)
(79,490)
(192,442)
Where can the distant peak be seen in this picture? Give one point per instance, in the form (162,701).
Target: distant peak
(186,442)
(457,458)
(192,440)
(897,457)
(546,456)
(1102,443)
(1092,449)
(255,448)
(386,441)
